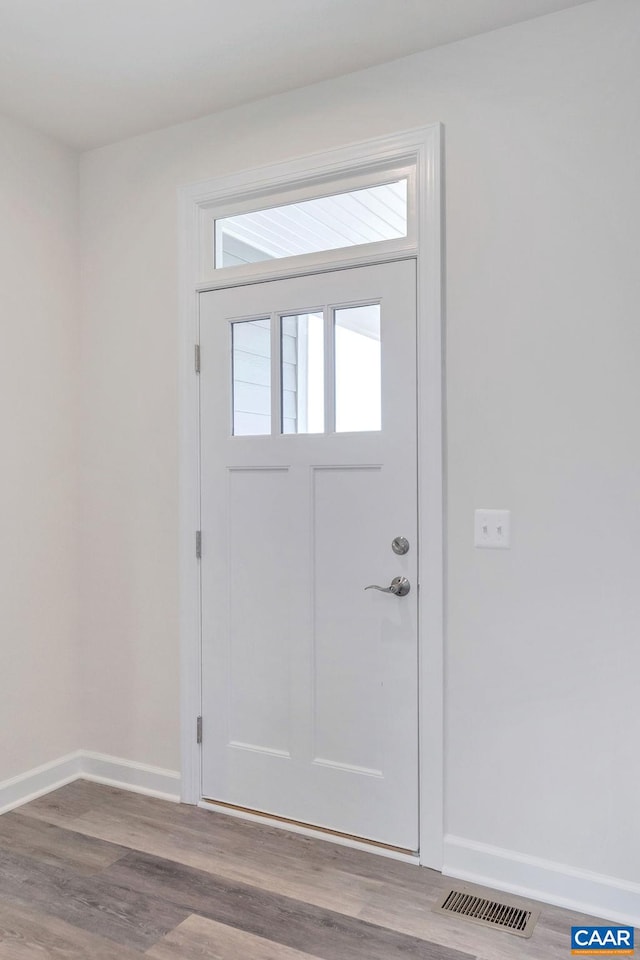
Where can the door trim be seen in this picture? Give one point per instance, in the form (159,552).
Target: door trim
(424,148)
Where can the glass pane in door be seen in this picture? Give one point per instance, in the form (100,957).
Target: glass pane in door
(302,338)
(251,358)
(357,368)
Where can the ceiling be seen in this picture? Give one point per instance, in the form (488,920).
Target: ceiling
(89,72)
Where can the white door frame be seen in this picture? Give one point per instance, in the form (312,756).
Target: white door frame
(421,149)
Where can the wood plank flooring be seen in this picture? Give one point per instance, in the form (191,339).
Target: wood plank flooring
(97,873)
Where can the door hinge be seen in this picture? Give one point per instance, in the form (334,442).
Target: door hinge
(199,730)
(197,357)
(198,545)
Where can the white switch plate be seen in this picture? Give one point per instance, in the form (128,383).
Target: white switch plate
(492,528)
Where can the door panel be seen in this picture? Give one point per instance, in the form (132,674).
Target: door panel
(259,674)
(309,681)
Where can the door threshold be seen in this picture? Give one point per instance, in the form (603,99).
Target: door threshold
(309,830)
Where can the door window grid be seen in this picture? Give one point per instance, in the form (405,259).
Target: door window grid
(312,372)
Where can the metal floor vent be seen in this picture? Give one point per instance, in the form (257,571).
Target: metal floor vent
(463,901)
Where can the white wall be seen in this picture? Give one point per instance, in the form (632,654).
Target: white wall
(543,341)
(39,430)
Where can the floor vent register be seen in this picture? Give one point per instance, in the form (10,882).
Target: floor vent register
(462,901)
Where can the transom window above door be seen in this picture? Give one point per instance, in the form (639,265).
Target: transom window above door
(335,219)
(310,372)
(368,215)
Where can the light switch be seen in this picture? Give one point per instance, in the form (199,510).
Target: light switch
(492,529)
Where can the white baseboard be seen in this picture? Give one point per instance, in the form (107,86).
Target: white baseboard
(581,890)
(35,783)
(85,765)
(592,893)
(138,777)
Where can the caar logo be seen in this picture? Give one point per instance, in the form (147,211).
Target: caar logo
(599,941)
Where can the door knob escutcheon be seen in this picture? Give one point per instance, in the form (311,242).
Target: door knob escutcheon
(399,586)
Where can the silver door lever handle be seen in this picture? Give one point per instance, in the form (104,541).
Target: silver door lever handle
(399,586)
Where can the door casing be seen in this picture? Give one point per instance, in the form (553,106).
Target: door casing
(422,149)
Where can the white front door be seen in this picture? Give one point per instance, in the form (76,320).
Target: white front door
(308,460)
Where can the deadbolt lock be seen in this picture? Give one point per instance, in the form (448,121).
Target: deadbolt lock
(400,546)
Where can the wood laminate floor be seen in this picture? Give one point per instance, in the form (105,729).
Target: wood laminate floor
(94,873)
